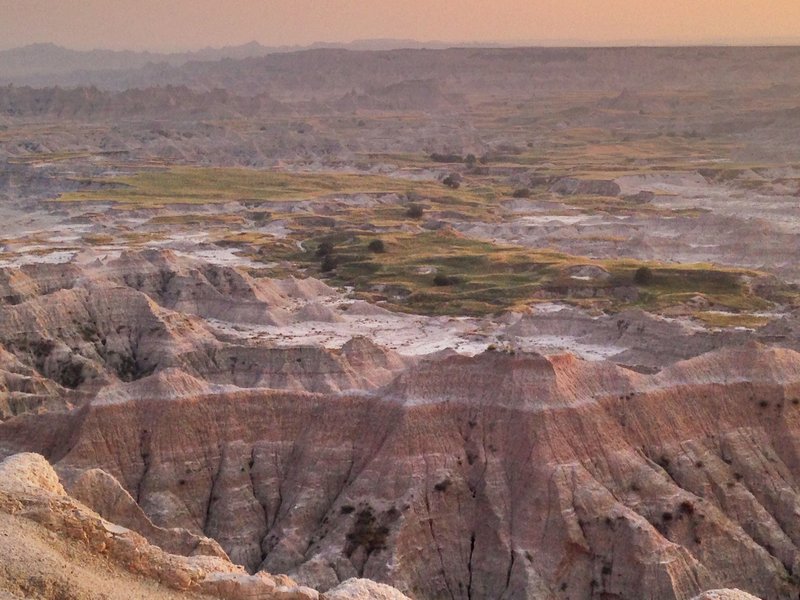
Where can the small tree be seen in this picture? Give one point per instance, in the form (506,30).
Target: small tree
(415,211)
(324,248)
(643,276)
(376,246)
(329,263)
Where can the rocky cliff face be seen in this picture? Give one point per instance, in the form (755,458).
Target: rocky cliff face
(498,476)
(501,475)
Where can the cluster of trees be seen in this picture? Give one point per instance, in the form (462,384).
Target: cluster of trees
(329,262)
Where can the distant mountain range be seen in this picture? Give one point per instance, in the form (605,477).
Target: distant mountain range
(253,68)
(39,63)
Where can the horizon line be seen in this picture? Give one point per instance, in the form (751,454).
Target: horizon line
(758,42)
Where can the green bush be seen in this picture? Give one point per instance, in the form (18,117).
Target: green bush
(643,276)
(376,246)
(415,211)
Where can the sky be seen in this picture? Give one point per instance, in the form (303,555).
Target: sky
(173,25)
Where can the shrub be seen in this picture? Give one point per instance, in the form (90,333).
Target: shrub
(415,211)
(376,246)
(441,280)
(643,276)
(453,181)
(522,193)
(367,533)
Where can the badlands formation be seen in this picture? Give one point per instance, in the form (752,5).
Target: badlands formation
(463,324)
(503,474)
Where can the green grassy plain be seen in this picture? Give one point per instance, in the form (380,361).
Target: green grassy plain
(475,277)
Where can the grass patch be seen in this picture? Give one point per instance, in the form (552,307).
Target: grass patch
(729,320)
(189,185)
(446,273)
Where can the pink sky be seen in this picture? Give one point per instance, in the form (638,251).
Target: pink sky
(191,24)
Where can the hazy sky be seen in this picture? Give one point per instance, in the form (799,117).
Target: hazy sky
(191,24)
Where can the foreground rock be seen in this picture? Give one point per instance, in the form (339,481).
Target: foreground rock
(363,589)
(98,557)
(725,595)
